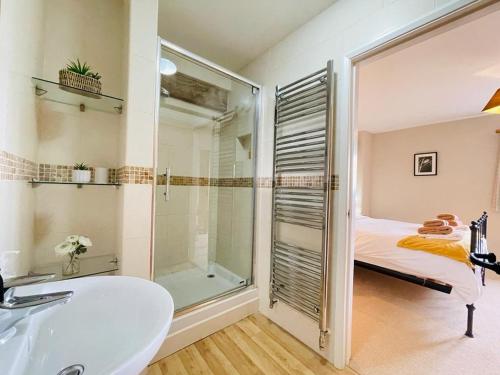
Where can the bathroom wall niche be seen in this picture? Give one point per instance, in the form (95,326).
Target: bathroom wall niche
(66,136)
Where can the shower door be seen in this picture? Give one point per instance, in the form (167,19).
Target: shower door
(205,181)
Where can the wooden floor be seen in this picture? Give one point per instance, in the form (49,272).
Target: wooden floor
(254,345)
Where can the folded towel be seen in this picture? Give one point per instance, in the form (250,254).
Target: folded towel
(456,235)
(435,230)
(454,223)
(435,223)
(448,217)
(456,250)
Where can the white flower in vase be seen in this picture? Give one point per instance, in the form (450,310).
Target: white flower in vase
(73,247)
(84,241)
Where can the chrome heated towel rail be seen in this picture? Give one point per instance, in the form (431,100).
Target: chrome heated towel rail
(303,146)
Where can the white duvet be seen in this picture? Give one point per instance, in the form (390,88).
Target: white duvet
(376,241)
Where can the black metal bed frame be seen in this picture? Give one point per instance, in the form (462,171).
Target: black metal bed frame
(477,247)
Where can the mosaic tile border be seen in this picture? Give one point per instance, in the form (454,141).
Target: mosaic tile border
(16,168)
(63,173)
(134,175)
(264,182)
(183,180)
(205,181)
(306,181)
(123,175)
(261,182)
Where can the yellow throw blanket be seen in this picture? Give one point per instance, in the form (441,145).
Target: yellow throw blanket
(456,250)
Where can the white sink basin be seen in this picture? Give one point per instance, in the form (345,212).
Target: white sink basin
(111,325)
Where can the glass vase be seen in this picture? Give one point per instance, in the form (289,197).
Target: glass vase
(71,265)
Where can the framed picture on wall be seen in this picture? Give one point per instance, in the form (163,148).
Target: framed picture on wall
(425,164)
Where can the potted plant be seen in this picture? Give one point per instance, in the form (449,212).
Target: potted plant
(72,248)
(81,173)
(81,77)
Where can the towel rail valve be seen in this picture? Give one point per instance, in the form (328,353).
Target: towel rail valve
(322,339)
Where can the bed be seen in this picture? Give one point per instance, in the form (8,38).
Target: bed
(376,250)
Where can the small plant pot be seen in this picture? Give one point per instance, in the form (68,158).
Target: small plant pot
(69,81)
(80,176)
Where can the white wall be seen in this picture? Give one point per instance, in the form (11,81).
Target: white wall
(137,135)
(364,173)
(467,155)
(344,27)
(20,58)
(90,30)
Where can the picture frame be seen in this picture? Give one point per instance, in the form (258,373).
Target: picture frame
(425,164)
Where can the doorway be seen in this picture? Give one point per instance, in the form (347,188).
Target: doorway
(411,35)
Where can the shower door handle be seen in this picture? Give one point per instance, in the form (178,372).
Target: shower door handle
(167,184)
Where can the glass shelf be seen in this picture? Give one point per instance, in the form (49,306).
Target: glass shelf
(88,267)
(55,92)
(78,184)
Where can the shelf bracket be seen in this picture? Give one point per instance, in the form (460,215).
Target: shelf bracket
(82,107)
(119,109)
(39,91)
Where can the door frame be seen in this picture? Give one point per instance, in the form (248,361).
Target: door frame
(342,327)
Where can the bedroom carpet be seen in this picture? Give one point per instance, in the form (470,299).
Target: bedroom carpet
(400,328)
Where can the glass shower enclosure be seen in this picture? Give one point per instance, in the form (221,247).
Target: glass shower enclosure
(205,169)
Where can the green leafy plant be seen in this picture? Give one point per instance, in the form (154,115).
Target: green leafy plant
(82,69)
(95,75)
(78,68)
(81,167)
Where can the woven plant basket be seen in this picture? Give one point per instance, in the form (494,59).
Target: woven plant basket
(80,82)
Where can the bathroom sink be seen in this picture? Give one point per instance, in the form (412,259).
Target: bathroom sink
(111,325)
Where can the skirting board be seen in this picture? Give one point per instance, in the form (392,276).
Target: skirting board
(198,324)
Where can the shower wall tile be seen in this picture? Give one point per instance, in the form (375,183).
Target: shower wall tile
(137,210)
(61,211)
(179,200)
(145,15)
(168,257)
(13,167)
(187,152)
(264,182)
(21,57)
(138,135)
(134,175)
(161,208)
(135,257)
(17,201)
(63,173)
(178,229)
(68,136)
(135,229)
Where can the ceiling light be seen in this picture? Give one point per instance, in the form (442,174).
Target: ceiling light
(167,67)
(493,105)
